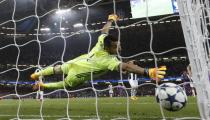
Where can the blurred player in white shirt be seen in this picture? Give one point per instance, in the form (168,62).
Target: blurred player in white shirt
(132,79)
(39,95)
(110,90)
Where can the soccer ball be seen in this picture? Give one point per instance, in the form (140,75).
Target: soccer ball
(171,96)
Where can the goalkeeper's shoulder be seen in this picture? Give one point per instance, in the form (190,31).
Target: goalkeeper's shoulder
(102,36)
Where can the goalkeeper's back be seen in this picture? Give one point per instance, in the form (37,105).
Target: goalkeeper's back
(99,45)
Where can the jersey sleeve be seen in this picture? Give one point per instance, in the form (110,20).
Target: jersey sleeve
(99,45)
(101,39)
(113,64)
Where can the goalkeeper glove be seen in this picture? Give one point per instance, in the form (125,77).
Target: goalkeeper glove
(113,17)
(155,73)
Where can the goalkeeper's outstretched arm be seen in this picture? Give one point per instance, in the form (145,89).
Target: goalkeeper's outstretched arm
(154,73)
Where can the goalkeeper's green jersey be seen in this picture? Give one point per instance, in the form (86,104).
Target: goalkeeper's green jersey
(97,62)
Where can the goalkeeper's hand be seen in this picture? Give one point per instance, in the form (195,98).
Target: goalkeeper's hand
(113,17)
(156,73)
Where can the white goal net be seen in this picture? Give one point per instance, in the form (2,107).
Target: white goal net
(35,34)
(194,15)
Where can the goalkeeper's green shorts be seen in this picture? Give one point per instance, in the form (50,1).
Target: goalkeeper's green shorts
(72,79)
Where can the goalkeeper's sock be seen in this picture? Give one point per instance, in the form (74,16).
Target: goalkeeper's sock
(56,85)
(44,72)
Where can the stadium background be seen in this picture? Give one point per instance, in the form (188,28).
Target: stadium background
(167,34)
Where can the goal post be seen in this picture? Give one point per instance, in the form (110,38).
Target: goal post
(194,15)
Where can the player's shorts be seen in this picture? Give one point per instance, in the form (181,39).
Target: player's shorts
(74,75)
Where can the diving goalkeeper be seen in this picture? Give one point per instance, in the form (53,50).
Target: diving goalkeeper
(99,60)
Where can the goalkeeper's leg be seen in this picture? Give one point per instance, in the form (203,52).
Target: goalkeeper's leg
(47,71)
(56,85)
(70,81)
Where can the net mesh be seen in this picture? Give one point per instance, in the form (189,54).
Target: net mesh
(203,36)
(194,16)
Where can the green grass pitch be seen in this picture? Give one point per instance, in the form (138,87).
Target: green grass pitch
(145,108)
